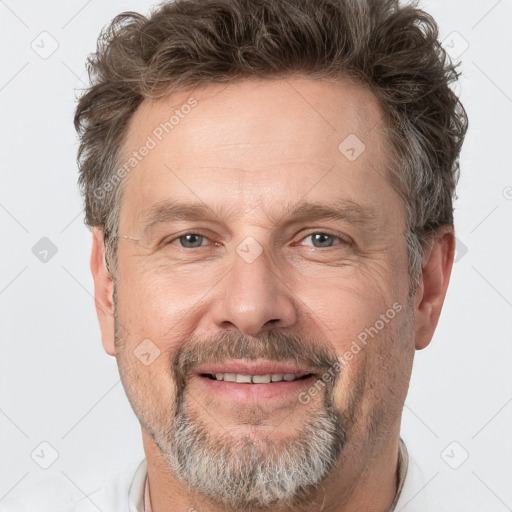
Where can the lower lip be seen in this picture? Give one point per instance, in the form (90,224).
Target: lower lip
(241,392)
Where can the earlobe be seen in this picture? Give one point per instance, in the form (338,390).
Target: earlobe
(435,277)
(103,291)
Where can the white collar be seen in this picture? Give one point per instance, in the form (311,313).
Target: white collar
(137,488)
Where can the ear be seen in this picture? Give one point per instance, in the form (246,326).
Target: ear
(430,294)
(103,290)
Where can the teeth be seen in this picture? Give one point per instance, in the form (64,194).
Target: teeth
(256,379)
(261,379)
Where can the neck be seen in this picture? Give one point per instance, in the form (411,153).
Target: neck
(367,479)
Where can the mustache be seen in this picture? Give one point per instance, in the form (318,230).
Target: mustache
(272,345)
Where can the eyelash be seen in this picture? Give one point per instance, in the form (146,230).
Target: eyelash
(343,240)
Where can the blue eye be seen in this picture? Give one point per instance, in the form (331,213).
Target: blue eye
(321,239)
(191,240)
(318,239)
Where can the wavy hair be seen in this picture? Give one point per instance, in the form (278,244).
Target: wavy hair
(390,48)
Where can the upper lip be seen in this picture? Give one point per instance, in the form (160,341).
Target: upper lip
(254,368)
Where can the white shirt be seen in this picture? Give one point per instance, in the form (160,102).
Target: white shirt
(126,493)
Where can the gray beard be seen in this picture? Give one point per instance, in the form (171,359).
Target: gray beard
(251,472)
(246,474)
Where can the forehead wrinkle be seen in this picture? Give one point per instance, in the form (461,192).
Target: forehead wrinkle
(170,210)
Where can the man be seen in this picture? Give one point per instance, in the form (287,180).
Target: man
(269,185)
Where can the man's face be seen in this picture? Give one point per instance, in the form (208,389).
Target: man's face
(257,280)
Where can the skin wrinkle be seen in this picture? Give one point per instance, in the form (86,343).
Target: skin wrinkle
(169,211)
(293,303)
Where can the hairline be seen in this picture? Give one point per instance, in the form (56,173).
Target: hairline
(415,248)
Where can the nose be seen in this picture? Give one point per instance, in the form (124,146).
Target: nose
(254,298)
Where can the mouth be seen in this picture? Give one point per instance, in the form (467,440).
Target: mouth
(260,381)
(268,378)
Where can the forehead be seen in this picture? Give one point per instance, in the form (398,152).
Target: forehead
(257,143)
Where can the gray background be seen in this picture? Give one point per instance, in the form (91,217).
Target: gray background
(57,384)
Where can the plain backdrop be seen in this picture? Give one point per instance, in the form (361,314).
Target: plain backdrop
(60,388)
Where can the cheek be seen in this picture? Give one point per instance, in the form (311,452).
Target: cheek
(157,316)
(361,314)
(147,385)
(375,375)
(347,304)
(158,304)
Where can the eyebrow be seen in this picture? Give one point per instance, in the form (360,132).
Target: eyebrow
(341,210)
(168,211)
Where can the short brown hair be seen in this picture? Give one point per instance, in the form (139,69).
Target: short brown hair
(389,48)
